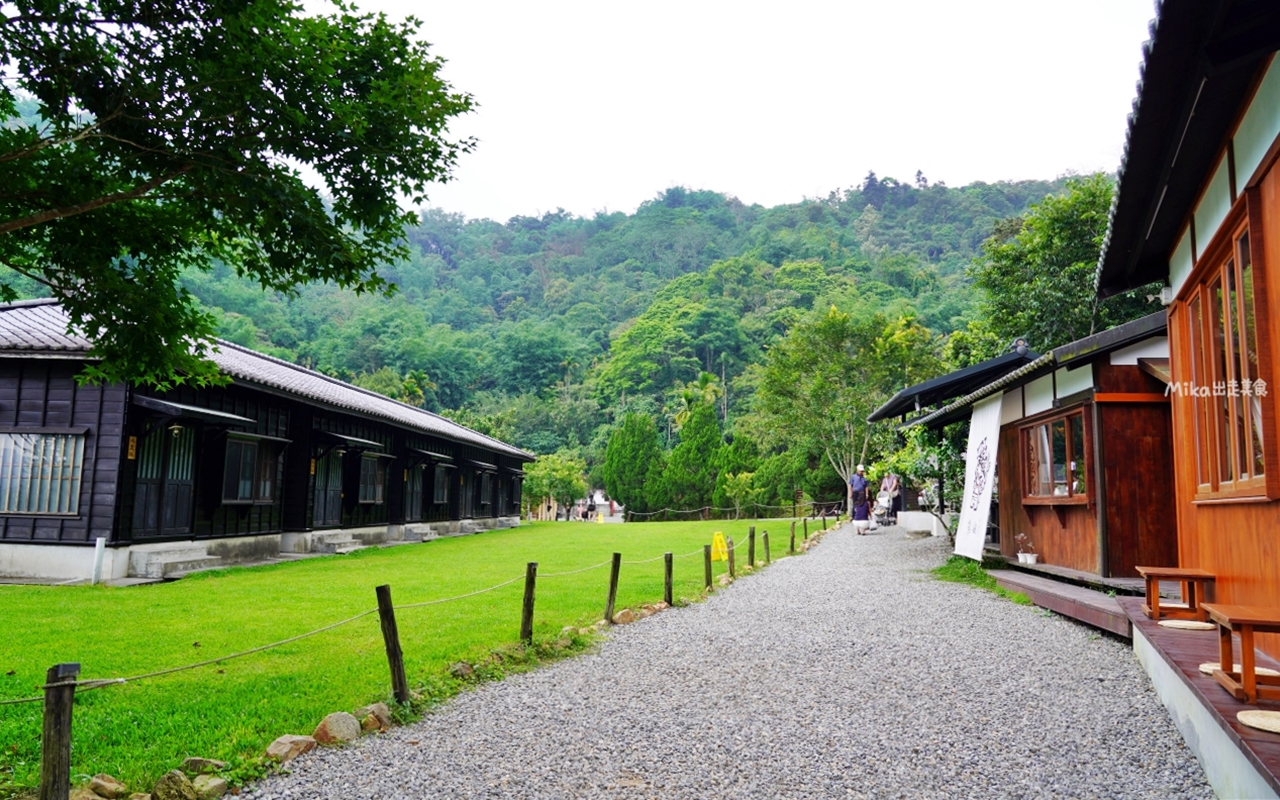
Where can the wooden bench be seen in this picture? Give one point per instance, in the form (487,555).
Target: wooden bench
(1193,585)
(1245,685)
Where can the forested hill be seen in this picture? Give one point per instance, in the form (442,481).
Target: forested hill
(537,328)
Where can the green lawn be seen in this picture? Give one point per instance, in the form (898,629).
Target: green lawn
(232,710)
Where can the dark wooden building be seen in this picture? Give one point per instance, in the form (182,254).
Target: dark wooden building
(281,460)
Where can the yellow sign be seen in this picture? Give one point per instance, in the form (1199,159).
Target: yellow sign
(719,549)
(133,448)
(600,518)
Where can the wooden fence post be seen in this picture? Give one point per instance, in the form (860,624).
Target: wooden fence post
(391,638)
(824,518)
(806,529)
(765,537)
(55,745)
(668,561)
(751,547)
(793,537)
(729,546)
(613,587)
(706,563)
(526,613)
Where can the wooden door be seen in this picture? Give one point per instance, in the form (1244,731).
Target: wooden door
(328,484)
(165,484)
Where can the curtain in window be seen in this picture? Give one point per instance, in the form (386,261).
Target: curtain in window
(40,473)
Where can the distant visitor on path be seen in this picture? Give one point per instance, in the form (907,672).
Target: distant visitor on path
(859,502)
(858,483)
(889,483)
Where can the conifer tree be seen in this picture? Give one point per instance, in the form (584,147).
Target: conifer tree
(632,450)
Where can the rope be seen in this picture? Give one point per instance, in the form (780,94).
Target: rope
(461,596)
(576,571)
(89,685)
(645,561)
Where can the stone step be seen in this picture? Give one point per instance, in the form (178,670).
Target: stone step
(174,563)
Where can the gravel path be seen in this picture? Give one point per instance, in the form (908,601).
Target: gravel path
(847,672)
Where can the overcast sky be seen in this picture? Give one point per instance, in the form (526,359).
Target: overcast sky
(592,106)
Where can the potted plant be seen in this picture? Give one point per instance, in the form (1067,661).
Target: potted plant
(1026,550)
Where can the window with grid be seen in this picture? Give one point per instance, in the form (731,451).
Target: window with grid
(373,479)
(40,473)
(1225,390)
(413,493)
(249,472)
(1054,460)
(441,487)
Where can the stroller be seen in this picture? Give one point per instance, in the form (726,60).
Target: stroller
(884,502)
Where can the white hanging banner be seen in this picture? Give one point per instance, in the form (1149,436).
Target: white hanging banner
(979,476)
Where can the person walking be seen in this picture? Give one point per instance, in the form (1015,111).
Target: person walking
(889,484)
(859,502)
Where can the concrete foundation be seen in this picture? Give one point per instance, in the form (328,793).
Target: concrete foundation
(65,563)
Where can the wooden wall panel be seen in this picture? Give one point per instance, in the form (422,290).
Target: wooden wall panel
(1064,535)
(44,393)
(1240,541)
(1124,379)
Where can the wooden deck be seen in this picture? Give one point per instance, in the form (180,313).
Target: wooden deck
(1184,652)
(1135,587)
(1085,605)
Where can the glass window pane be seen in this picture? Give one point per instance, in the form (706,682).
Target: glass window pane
(231,470)
(1076,424)
(1219,322)
(1199,408)
(1248,348)
(40,473)
(1239,446)
(1058,437)
(1039,462)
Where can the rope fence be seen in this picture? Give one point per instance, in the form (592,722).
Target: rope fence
(814,509)
(62,681)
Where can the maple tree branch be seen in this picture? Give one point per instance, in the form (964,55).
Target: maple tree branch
(81,208)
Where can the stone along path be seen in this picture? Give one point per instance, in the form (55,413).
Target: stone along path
(847,672)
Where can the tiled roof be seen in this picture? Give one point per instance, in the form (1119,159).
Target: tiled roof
(40,327)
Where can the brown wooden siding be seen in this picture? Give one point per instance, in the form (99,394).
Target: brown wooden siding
(1063,535)
(45,394)
(1238,541)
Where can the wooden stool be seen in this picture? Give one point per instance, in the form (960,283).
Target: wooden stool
(1192,580)
(1245,685)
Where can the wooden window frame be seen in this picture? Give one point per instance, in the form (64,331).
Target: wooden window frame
(1195,326)
(266,460)
(440,484)
(372,492)
(1075,416)
(41,472)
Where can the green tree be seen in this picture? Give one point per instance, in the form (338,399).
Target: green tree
(633,449)
(558,476)
(690,474)
(1037,273)
(820,383)
(740,489)
(170,135)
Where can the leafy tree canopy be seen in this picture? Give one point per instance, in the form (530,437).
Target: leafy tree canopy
(169,135)
(1036,271)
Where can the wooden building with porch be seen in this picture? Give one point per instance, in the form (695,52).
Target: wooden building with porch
(1083,465)
(1198,208)
(281,460)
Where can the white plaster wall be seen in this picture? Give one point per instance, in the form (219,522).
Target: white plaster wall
(1039,395)
(1070,381)
(1228,771)
(921,521)
(60,562)
(1011,407)
(1180,264)
(1155,347)
(1258,128)
(1214,205)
